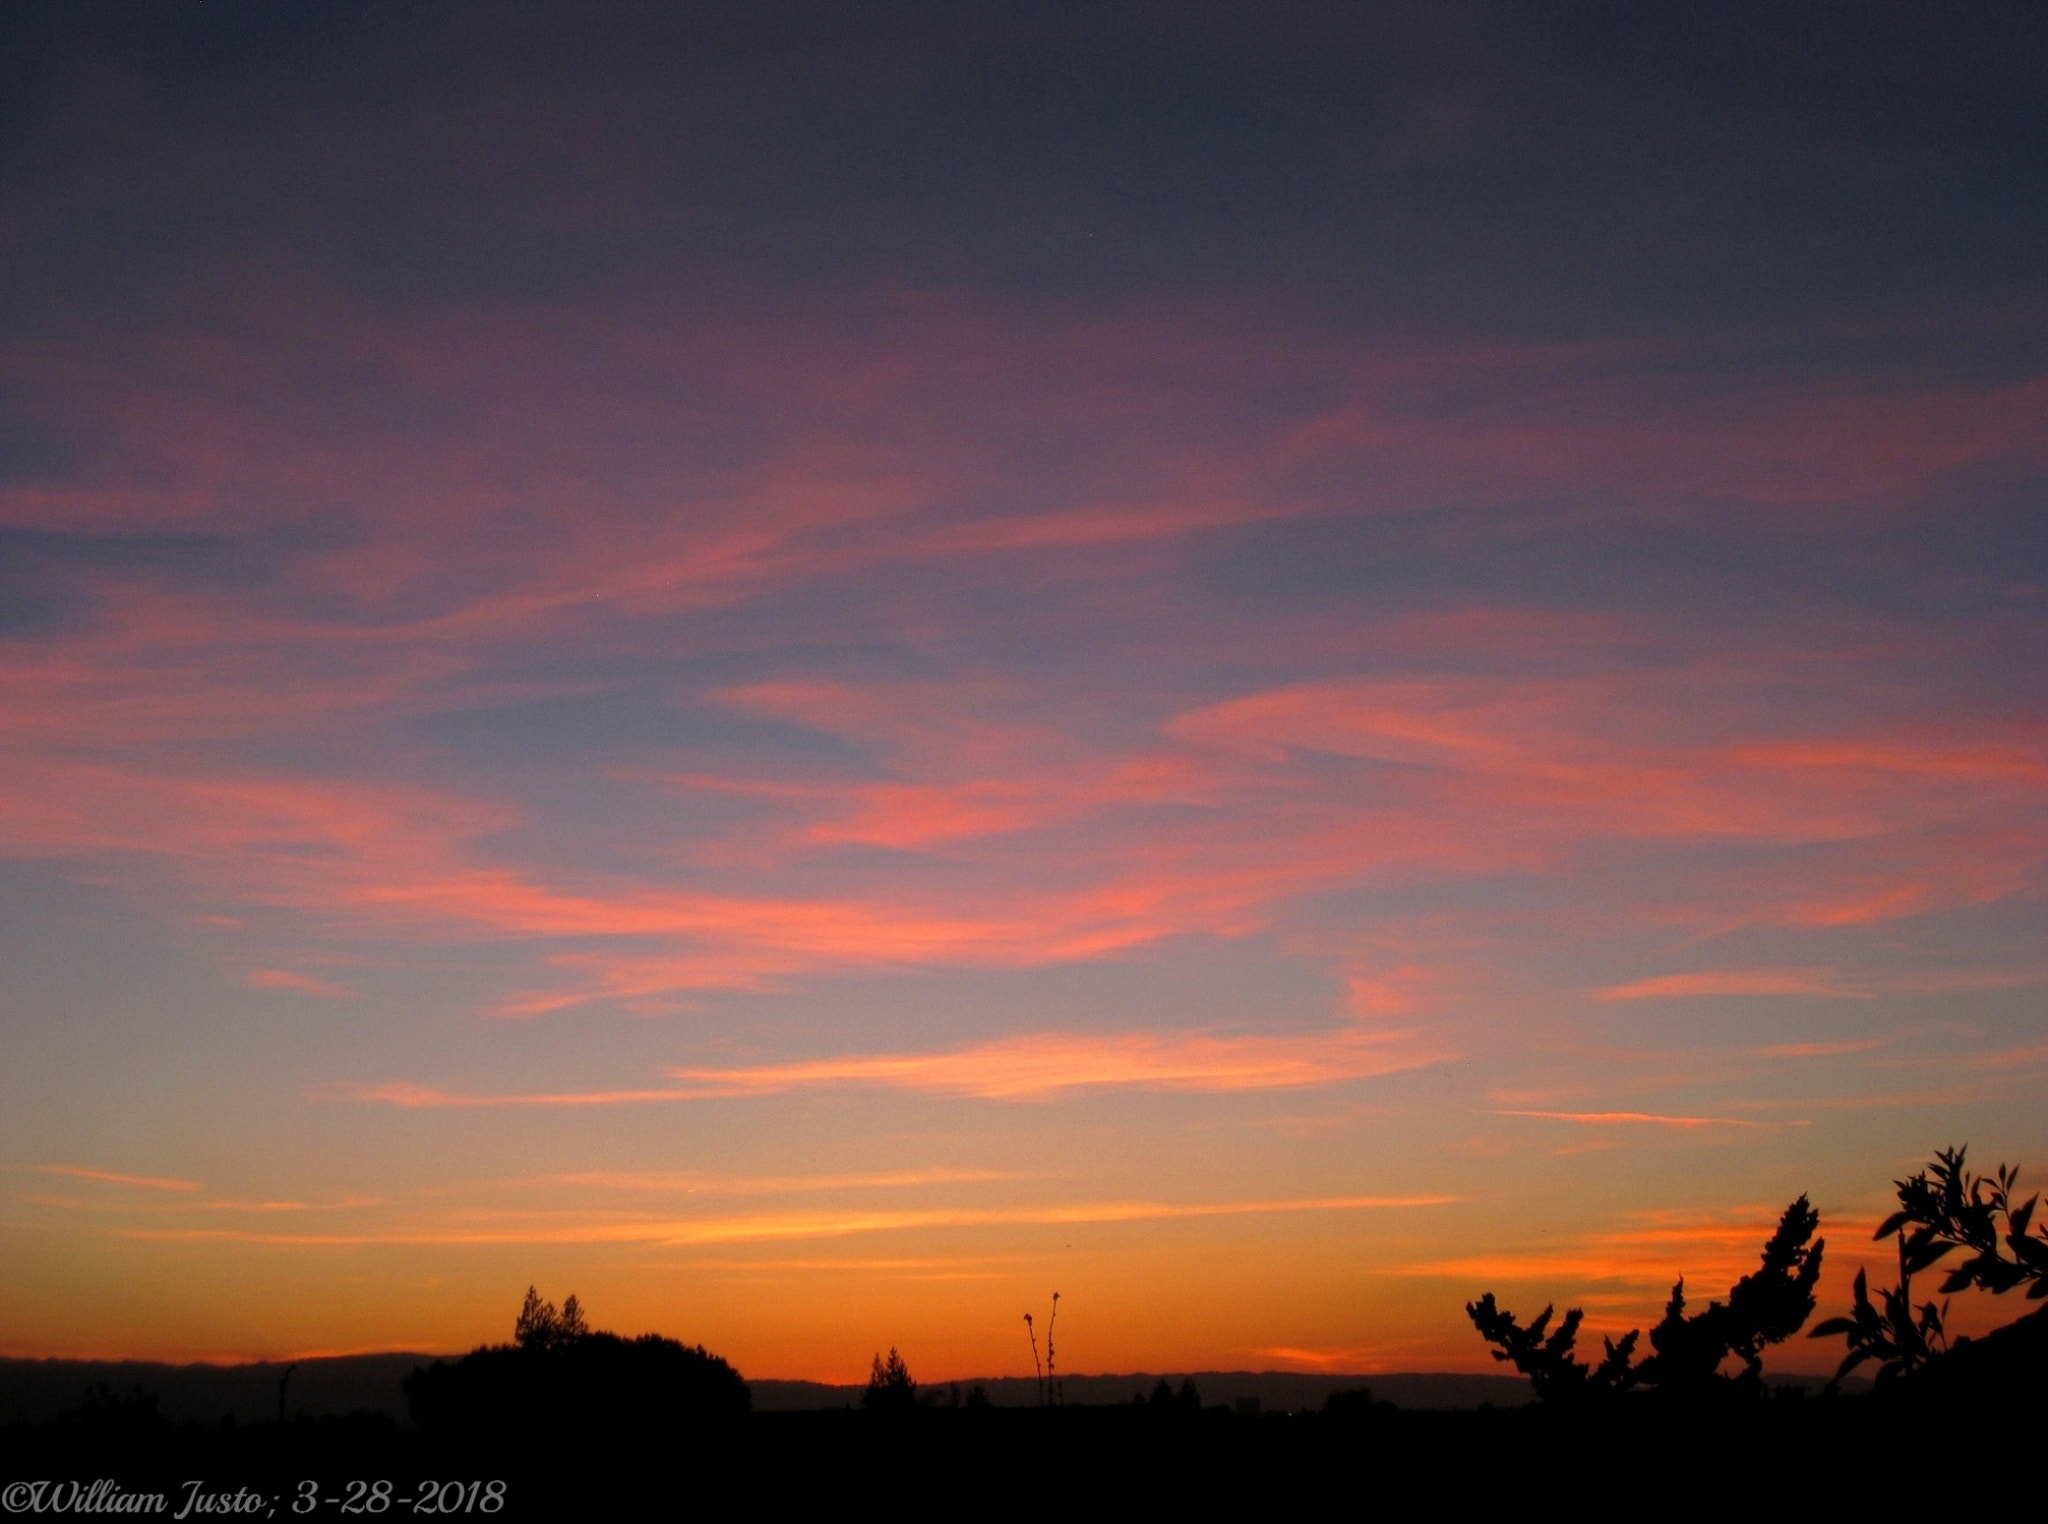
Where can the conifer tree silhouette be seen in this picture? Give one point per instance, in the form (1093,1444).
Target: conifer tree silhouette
(891,1388)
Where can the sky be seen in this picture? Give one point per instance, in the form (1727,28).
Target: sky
(815,671)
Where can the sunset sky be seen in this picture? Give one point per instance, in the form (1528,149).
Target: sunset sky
(813,671)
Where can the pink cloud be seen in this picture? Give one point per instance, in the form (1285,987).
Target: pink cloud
(724,463)
(1638,1119)
(1753,981)
(1033,1067)
(1822,1049)
(779,1226)
(1040,1065)
(298,984)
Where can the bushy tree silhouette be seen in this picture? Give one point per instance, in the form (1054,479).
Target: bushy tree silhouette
(559,1378)
(1765,1307)
(1546,1357)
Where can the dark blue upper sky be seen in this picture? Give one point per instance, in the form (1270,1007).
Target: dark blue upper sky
(1450,169)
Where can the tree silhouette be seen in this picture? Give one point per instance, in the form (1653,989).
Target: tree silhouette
(562,1378)
(1765,1307)
(541,1326)
(891,1388)
(1167,1403)
(1546,1358)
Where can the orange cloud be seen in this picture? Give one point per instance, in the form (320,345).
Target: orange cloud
(1041,1065)
(1823,1049)
(777,1227)
(114,1177)
(300,984)
(1710,1251)
(1638,1118)
(1755,981)
(1829,982)
(772,1185)
(1036,1066)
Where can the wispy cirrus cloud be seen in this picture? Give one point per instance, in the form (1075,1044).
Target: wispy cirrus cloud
(1041,1065)
(691,1184)
(1642,1119)
(1645,1252)
(298,984)
(1837,1049)
(116,1177)
(1030,1067)
(787,1226)
(132,730)
(1738,981)
(1851,984)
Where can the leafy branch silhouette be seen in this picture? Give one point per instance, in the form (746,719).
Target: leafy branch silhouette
(1942,1209)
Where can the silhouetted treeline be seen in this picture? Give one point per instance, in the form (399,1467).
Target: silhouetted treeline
(1808,1453)
(1943,1210)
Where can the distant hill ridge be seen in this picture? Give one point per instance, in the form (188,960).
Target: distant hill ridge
(1275,1391)
(32,1391)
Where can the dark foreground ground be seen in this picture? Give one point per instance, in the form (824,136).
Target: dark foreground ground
(1764,1460)
(33,1391)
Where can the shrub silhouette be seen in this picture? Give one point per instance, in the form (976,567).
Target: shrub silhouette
(1353,1404)
(1765,1307)
(1165,1402)
(891,1388)
(106,1414)
(560,1379)
(1943,1209)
